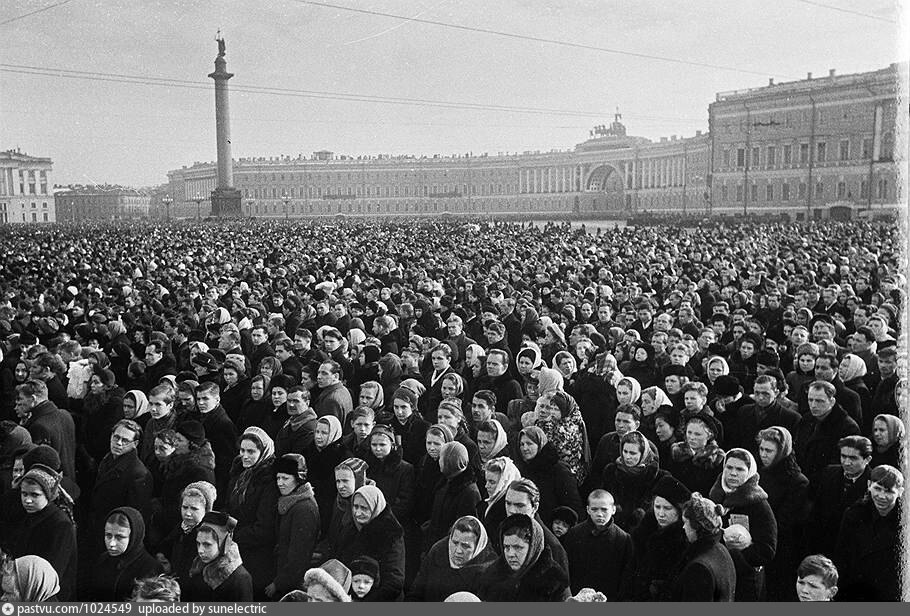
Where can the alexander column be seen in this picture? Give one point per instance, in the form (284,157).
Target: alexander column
(225,198)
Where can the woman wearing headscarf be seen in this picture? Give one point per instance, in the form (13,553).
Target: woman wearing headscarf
(253,498)
(654,400)
(125,558)
(451,414)
(102,408)
(499,474)
(44,528)
(218,572)
(372,530)
(525,570)
(393,475)
(750,528)
(258,404)
(350,475)
(560,418)
(492,440)
(390,375)
(641,365)
(706,572)
(697,460)
(13,437)
(429,472)
(298,524)
(527,361)
(567,366)
(236,389)
(659,540)
(852,370)
(631,479)
(596,398)
(29,579)
(788,495)
(715,366)
(475,357)
(197,499)
(548,381)
(888,440)
(541,464)
(455,496)
(453,563)
(322,456)
(136,407)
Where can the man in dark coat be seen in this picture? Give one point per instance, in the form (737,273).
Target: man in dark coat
(157,364)
(838,487)
(123,480)
(849,400)
(766,412)
(498,380)
(600,552)
(819,431)
(47,424)
(220,431)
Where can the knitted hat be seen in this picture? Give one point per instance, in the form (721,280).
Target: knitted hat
(46,477)
(703,514)
(203,489)
(384,430)
(292,464)
(44,455)
(334,577)
(192,430)
(358,467)
(566,514)
(364,565)
(403,393)
(453,458)
(221,524)
(726,385)
(671,490)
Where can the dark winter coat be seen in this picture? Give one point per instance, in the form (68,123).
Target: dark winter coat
(180,549)
(632,493)
(223,580)
(233,398)
(98,422)
(321,475)
(436,578)
(544,581)
(696,473)
(453,498)
(504,386)
(221,433)
(428,403)
(788,496)
(49,425)
(815,442)
(298,532)
(752,419)
(656,551)
(558,486)
(179,471)
(50,534)
(748,505)
(291,440)
(123,481)
(413,434)
(395,478)
(257,520)
(706,573)
(596,400)
(599,558)
(427,478)
(832,494)
(868,554)
(382,539)
(112,577)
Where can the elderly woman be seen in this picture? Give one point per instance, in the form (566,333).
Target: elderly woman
(631,479)
(252,500)
(373,531)
(750,526)
(888,438)
(697,460)
(541,464)
(706,571)
(787,489)
(659,540)
(526,570)
(28,579)
(560,418)
(454,563)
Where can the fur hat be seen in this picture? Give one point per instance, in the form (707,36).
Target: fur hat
(364,565)
(203,488)
(704,515)
(221,524)
(727,385)
(44,455)
(671,490)
(106,377)
(370,354)
(192,430)
(567,515)
(334,577)
(403,393)
(284,381)
(292,464)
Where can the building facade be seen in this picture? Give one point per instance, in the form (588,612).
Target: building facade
(25,194)
(811,148)
(77,203)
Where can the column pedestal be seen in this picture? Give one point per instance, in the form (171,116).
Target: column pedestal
(226,203)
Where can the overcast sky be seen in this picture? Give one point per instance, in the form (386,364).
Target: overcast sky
(133,133)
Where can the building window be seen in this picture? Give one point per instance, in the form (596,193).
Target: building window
(772,151)
(819,190)
(804,153)
(788,154)
(821,151)
(45,217)
(863,190)
(769,192)
(756,156)
(844,152)
(882,189)
(753,192)
(741,157)
(723,193)
(785,192)
(801,191)
(34,216)
(867,147)
(726,158)
(739,192)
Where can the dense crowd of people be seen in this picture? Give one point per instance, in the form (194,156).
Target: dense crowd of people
(452,411)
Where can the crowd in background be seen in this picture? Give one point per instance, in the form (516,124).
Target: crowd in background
(443,410)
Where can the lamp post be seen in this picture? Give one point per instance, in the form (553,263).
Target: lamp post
(167,200)
(198,199)
(249,205)
(287,200)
